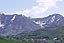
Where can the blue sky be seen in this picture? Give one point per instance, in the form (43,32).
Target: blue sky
(32,8)
(15,5)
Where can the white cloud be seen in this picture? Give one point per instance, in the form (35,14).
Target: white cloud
(18,12)
(43,6)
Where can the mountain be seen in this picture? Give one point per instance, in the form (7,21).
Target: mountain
(50,32)
(18,27)
(15,24)
(54,27)
(50,21)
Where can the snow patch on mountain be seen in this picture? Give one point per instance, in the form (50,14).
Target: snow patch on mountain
(40,23)
(1,25)
(53,18)
(13,18)
(58,19)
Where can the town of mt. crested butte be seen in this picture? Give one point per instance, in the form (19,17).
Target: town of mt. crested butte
(31,21)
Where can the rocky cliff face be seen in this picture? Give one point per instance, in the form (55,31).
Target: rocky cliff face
(15,24)
(50,21)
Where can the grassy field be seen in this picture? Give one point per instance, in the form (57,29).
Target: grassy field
(11,41)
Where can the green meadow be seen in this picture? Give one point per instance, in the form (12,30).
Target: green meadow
(12,41)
